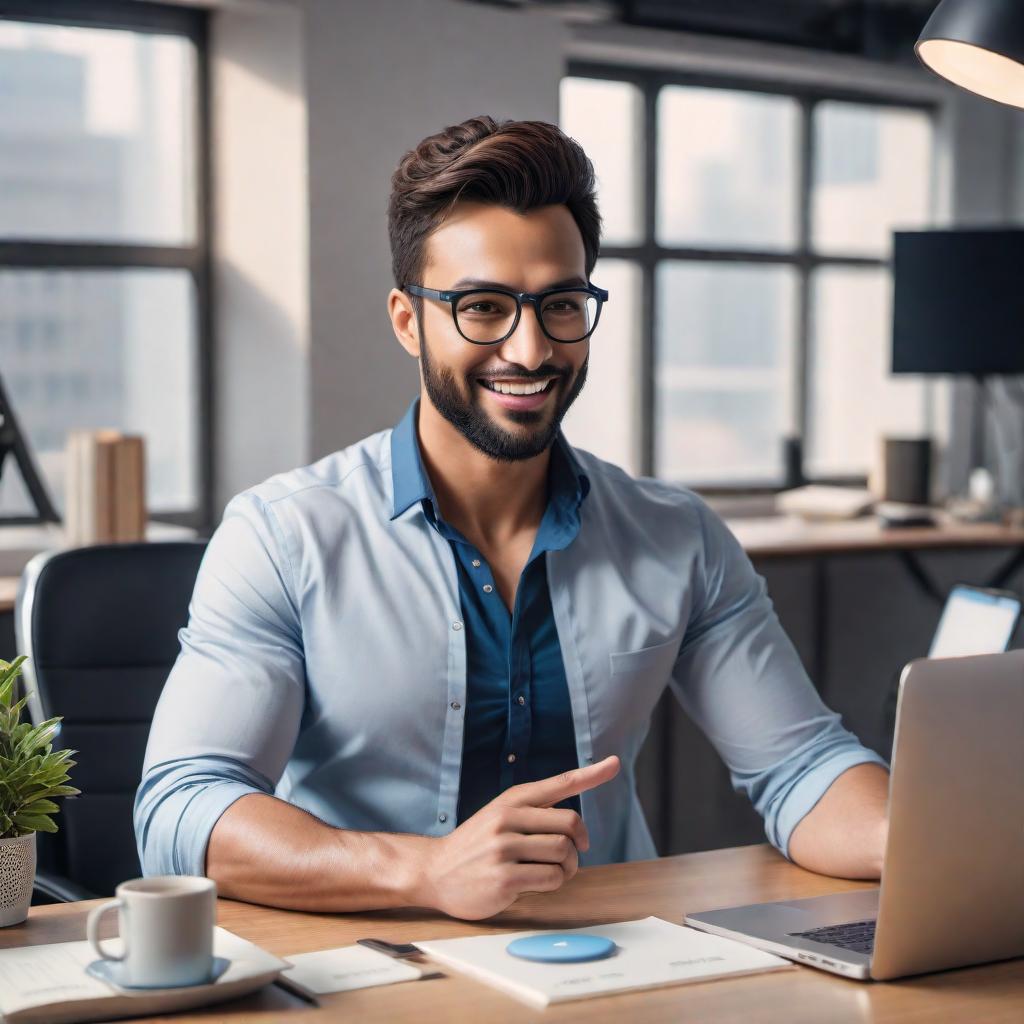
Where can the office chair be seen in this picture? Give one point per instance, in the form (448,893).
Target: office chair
(100,628)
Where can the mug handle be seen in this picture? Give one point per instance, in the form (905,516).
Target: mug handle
(92,927)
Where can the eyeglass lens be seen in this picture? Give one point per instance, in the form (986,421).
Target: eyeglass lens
(488,316)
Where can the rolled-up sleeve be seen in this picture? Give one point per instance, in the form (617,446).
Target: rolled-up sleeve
(740,679)
(229,713)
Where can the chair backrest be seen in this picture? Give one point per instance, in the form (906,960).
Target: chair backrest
(100,628)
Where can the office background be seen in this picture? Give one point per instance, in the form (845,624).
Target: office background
(193,247)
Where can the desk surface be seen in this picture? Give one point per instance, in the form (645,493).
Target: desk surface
(782,536)
(777,536)
(665,888)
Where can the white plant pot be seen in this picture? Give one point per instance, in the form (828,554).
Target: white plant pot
(17,873)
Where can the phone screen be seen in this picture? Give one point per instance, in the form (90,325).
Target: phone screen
(975,622)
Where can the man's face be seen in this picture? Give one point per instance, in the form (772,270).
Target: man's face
(524,253)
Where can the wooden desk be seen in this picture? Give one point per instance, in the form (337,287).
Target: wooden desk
(667,887)
(779,536)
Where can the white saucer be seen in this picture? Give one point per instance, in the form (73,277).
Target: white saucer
(112,972)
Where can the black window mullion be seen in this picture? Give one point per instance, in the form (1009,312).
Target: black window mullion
(645,78)
(203,274)
(796,464)
(648,349)
(97,256)
(790,258)
(131,15)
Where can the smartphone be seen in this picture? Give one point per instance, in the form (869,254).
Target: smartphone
(975,620)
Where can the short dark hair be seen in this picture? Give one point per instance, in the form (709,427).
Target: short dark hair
(517,164)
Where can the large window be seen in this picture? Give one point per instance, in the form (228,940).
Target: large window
(104,317)
(747,237)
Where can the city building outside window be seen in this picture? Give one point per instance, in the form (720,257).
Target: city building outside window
(747,238)
(104,292)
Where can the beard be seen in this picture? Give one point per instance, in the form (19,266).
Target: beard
(472,421)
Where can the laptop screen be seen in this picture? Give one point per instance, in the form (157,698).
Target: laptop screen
(975,622)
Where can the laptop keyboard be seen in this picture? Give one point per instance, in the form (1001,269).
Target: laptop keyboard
(857,936)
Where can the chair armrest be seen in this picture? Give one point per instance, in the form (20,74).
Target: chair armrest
(51,888)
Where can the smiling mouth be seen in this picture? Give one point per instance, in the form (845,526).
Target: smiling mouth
(522,388)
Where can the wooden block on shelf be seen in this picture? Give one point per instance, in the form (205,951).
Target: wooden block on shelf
(129,490)
(106,481)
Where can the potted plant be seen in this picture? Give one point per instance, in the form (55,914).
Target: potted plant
(32,773)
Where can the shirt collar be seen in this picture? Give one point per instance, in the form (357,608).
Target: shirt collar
(568,485)
(409,479)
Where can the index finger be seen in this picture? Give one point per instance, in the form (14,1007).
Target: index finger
(548,792)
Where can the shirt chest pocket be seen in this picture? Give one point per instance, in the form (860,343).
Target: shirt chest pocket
(637,679)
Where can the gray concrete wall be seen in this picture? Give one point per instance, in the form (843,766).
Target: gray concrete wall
(260,246)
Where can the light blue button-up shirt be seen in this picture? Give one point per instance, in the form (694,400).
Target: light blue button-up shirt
(518,713)
(324,661)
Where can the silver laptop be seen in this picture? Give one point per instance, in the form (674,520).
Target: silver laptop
(952,890)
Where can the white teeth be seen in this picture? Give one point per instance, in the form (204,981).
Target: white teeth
(518,389)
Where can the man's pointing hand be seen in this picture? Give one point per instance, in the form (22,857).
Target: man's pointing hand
(519,842)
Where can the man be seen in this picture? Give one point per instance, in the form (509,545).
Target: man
(419,671)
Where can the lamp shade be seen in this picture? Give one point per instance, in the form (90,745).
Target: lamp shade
(978,45)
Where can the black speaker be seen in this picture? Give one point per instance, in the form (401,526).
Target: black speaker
(906,470)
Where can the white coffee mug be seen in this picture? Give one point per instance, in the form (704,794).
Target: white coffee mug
(166,925)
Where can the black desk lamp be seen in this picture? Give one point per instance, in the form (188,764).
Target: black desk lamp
(978,45)
(12,442)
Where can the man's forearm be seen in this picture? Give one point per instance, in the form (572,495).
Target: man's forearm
(844,834)
(263,850)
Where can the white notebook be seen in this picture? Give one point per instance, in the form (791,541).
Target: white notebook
(347,968)
(651,953)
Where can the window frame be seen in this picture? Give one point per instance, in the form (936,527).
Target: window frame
(649,252)
(195,259)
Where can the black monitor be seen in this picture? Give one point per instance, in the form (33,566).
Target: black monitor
(958,304)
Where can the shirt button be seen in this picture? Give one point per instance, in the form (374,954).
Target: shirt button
(455,705)
(476,563)
(456,625)
(487,588)
(442,818)
(522,700)
(511,758)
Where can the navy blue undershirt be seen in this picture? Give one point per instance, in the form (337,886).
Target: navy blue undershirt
(518,716)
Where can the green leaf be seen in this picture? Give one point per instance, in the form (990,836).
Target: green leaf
(61,755)
(43,791)
(48,772)
(40,807)
(62,791)
(37,736)
(9,672)
(52,776)
(16,708)
(34,823)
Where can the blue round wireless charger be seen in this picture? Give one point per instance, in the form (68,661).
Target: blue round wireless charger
(562,949)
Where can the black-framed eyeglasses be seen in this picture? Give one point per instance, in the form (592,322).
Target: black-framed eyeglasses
(486,316)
